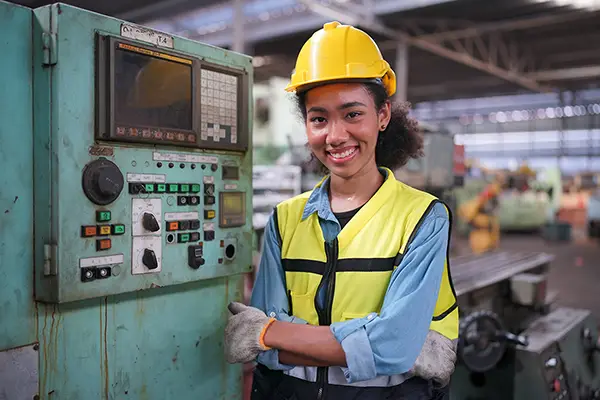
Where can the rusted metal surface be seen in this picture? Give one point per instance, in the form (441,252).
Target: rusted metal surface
(472,272)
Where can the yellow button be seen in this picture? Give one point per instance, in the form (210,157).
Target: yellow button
(210,214)
(105,230)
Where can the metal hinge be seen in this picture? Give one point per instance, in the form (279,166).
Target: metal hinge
(50,53)
(50,251)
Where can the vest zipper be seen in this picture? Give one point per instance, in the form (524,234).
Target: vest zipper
(325,313)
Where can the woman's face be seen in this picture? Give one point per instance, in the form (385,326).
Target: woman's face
(342,125)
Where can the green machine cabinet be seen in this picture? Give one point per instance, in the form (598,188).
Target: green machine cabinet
(125,208)
(142,169)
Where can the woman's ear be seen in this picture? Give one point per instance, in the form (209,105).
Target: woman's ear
(384,116)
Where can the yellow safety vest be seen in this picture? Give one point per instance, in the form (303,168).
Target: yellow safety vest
(363,256)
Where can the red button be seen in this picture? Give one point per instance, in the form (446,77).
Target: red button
(556,385)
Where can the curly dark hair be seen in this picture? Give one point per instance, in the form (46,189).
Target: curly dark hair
(401,139)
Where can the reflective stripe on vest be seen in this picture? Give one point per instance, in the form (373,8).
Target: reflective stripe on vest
(368,250)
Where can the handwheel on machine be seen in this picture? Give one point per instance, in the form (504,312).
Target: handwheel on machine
(483,341)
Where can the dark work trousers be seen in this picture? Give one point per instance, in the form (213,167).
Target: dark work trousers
(274,385)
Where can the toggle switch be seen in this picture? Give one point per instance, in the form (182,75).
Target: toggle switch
(195,259)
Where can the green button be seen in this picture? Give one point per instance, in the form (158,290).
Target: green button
(185,188)
(195,188)
(184,237)
(173,188)
(102,216)
(118,229)
(149,187)
(161,188)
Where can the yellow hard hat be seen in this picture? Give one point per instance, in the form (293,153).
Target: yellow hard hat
(339,52)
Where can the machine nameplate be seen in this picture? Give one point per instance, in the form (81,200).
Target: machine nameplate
(146,35)
(146,178)
(99,261)
(192,158)
(181,216)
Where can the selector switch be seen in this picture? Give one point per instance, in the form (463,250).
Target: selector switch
(150,223)
(102,181)
(149,259)
(209,189)
(195,259)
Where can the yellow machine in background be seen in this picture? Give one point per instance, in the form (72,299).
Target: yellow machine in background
(479,214)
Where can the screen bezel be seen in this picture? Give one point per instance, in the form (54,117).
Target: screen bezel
(105,121)
(237,222)
(105,89)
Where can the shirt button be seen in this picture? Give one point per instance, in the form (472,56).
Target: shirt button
(272,315)
(370,317)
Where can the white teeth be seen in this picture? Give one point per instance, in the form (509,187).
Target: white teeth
(344,154)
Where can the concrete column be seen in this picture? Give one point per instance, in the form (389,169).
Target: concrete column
(239,19)
(401,70)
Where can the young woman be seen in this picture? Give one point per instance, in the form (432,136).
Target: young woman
(353,298)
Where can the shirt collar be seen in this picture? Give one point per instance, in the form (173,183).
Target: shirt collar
(318,201)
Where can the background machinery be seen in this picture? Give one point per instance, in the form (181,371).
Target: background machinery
(514,343)
(125,222)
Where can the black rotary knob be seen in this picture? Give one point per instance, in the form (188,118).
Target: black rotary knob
(150,223)
(102,181)
(149,259)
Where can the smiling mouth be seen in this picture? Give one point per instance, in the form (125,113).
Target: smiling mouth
(342,156)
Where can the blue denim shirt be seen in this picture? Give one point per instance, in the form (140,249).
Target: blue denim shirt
(387,343)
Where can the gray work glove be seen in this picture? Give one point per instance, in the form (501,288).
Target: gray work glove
(243,333)
(437,359)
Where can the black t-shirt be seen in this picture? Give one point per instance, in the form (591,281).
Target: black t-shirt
(345,217)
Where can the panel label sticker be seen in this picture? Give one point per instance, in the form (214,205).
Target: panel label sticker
(146,35)
(181,216)
(101,261)
(193,158)
(208,226)
(231,186)
(146,178)
(209,179)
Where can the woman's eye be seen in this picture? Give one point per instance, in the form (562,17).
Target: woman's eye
(318,120)
(353,114)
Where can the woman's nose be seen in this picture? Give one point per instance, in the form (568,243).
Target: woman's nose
(337,134)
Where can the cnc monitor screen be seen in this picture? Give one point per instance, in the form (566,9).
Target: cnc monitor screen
(163,96)
(152,91)
(232,209)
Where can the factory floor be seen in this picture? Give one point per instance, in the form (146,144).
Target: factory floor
(575,272)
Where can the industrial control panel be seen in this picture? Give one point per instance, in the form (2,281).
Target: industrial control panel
(143,173)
